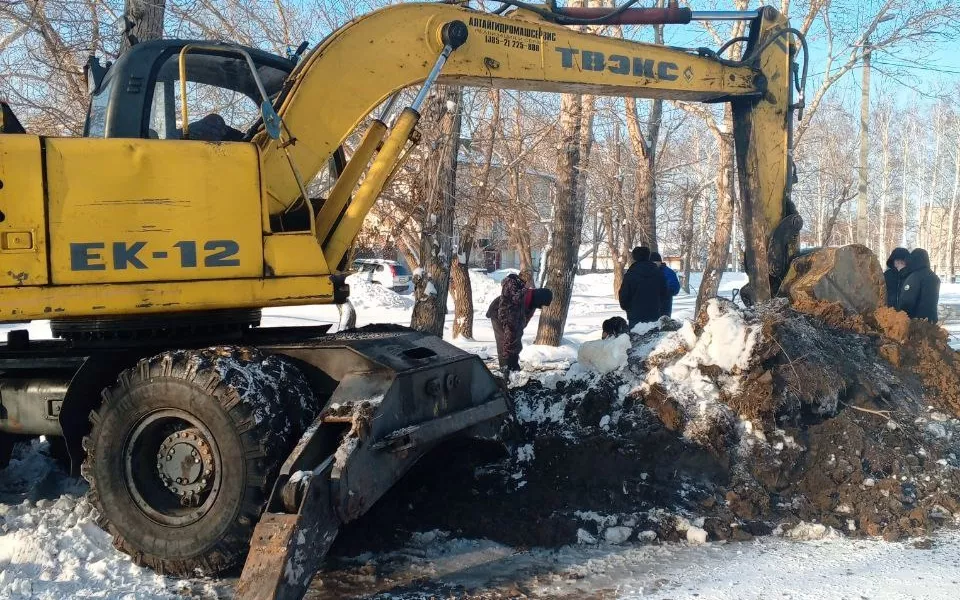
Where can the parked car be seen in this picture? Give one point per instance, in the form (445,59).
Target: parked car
(387,273)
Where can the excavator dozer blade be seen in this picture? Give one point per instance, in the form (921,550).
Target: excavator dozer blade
(395,395)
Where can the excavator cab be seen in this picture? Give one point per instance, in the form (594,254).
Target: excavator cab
(141,95)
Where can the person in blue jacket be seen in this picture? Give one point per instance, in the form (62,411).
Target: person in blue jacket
(673,284)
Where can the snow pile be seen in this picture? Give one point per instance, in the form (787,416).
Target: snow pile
(53,548)
(484,288)
(811,531)
(367,295)
(547,357)
(603,356)
(726,342)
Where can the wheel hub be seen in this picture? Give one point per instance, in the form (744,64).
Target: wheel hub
(185,465)
(172,467)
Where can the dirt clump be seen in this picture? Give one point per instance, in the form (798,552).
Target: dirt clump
(927,353)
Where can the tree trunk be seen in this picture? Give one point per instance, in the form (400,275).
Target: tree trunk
(952,228)
(885,187)
(563,247)
(595,247)
(921,178)
(904,215)
(433,280)
(934,184)
(686,238)
(720,246)
(461,288)
(462,292)
(645,192)
(620,229)
(143,22)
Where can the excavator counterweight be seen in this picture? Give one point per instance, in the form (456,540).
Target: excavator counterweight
(152,243)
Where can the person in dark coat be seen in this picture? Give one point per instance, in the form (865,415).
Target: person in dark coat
(895,274)
(673,284)
(614,327)
(510,313)
(643,292)
(920,293)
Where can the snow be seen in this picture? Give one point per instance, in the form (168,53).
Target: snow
(603,356)
(540,356)
(617,535)
(51,547)
(811,531)
(726,341)
(772,567)
(372,296)
(696,535)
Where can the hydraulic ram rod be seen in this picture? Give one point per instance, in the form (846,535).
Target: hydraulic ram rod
(657,16)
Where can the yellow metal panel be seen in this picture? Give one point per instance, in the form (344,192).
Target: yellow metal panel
(51,302)
(124,210)
(23,239)
(288,254)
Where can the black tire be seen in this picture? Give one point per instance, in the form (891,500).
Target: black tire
(238,401)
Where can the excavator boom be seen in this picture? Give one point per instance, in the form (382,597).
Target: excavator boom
(370,59)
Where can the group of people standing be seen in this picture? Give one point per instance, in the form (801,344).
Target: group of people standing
(911,284)
(648,288)
(649,285)
(646,294)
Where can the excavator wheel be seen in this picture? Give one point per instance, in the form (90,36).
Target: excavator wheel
(184,451)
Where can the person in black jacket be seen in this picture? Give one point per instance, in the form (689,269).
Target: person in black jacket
(920,294)
(895,274)
(509,313)
(643,292)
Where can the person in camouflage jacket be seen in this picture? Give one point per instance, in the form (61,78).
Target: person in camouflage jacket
(510,313)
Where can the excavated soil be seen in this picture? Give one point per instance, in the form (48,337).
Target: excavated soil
(842,421)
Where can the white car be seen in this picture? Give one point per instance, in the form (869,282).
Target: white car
(387,273)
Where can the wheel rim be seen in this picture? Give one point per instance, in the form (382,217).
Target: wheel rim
(172,467)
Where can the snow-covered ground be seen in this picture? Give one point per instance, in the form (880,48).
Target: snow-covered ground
(773,567)
(50,546)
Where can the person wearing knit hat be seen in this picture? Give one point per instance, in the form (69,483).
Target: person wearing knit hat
(510,313)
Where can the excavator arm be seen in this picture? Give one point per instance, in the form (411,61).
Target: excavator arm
(370,60)
(374,57)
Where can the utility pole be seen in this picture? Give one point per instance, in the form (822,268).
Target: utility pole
(862,235)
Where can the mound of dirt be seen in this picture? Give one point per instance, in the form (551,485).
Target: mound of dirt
(803,420)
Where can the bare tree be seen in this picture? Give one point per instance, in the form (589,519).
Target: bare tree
(432,280)
(563,250)
(952,227)
(460,286)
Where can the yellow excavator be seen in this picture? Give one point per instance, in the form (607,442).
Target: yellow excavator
(152,243)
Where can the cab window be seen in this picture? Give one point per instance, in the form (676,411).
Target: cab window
(223,103)
(97,116)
